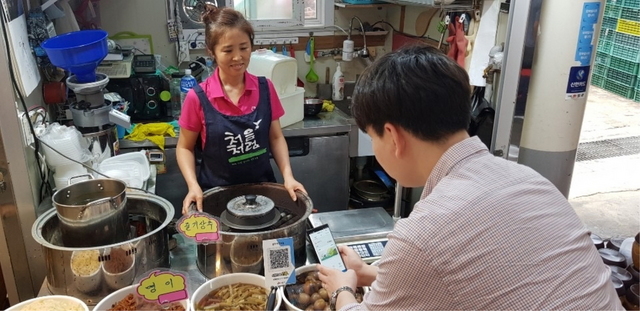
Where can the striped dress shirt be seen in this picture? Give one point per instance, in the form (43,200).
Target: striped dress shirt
(489,234)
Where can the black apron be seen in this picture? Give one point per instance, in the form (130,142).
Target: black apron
(237,148)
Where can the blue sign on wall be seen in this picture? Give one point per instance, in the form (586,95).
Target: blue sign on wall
(578,81)
(584,48)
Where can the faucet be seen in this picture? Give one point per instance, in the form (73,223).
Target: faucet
(364,53)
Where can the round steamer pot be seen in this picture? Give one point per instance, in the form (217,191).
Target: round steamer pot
(92,208)
(147,244)
(241,251)
(312,106)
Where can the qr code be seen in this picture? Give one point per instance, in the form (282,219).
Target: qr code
(279,258)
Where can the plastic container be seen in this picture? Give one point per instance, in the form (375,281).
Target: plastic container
(281,70)
(174,88)
(79,52)
(64,173)
(132,168)
(208,70)
(337,86)
(186,83)
(293,104)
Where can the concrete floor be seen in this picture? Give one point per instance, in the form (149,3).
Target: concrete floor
(606,192)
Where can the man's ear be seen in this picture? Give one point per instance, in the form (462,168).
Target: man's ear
(398,138)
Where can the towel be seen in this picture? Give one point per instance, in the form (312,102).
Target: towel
(154,132)
(327,105)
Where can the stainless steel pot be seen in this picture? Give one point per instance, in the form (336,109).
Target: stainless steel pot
(93,208)
(241,251)
(146,249)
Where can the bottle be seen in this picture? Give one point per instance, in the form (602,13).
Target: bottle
(176,95)
(208,70)
(338,84)
(186,83)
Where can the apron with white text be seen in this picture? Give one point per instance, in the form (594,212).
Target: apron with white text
(236,150)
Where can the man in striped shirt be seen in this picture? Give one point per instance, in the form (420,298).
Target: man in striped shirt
(487,233)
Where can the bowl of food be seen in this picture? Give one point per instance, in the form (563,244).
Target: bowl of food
(85,266)
(308,293)
(51,303)
(127,298)
(118,266)
(235,291)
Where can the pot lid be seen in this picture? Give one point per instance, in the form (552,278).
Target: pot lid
(250,212)
(249,205)
(369,187)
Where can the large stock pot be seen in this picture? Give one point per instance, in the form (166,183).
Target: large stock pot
(241,250)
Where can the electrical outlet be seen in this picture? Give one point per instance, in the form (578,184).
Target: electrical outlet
(26,131)
(183,52)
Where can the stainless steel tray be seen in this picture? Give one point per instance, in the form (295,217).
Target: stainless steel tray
(355,224)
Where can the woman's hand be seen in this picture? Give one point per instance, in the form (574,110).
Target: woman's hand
(292,185)
(334,279)
(194,195)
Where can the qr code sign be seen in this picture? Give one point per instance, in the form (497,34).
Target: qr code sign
(279,258)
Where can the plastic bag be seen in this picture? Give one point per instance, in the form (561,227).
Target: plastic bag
(482,117)
(59,140)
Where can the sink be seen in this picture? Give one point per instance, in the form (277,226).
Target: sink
(344,106)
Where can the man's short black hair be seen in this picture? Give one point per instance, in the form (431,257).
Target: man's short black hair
(416,87)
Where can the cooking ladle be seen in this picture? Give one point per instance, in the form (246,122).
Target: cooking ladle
(312,76)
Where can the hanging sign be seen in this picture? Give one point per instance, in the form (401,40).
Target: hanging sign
(201,227)
(163,287)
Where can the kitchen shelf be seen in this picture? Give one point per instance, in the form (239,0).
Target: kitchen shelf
(457,5)
(363,6)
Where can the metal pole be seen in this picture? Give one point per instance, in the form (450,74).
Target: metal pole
(397,204)
(557,92)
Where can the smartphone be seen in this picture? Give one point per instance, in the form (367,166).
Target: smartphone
(325,247)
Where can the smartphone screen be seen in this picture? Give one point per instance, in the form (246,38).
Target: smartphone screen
(325,247)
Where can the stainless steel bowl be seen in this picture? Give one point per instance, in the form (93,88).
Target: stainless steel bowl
(241,251)
(146,249)
(312,106)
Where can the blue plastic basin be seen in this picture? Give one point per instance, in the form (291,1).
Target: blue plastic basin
(79,52)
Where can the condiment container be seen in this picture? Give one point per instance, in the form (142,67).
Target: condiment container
(622,274)
(597,241)
(632,301)
(619,286)
(614,243)
(635,274)
(612,257)
(635,252)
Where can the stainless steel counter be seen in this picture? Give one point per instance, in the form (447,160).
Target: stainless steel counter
(183,260)
(325,123)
